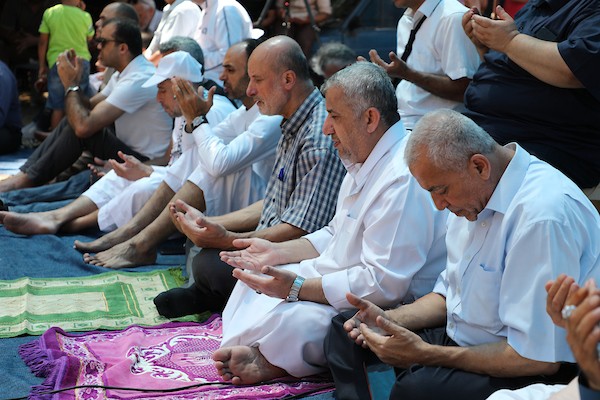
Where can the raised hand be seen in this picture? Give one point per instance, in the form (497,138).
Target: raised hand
(199,229)
(396,68)
(131,168)
(255,254)
(69,68)
(273,282)
(191,102)
(367,314)
(494,34)
(397,346)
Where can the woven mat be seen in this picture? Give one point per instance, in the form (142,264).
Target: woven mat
(170,357)
(112,300)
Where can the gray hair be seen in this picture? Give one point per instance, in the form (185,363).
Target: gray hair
(366,85)
(183,43)
(448,139)
(332,53)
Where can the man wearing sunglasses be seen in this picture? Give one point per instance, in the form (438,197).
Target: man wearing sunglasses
(141,127)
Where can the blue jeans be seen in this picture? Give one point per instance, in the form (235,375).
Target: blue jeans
(47,197)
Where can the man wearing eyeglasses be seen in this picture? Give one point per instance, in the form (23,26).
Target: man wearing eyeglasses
(141,127)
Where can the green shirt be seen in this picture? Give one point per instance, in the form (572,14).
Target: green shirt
(69,28)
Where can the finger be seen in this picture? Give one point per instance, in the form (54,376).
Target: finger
(502,14)
(211,94)
(274,272)
(388,325)
(361,58)
(182,205)
(242,243)
(376,59)
(357,301)
(394,58)
(99,161)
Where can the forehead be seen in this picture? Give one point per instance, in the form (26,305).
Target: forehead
(336,100)
(235,57)
(260,63)
(164,85)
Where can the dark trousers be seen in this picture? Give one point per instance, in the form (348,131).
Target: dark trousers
(10,139)
(212,279)
(349,362)
(62,148)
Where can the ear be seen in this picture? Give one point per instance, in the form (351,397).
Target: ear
(288,79)
(372,117)
(481,166)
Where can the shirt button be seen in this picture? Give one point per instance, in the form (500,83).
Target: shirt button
(484,224)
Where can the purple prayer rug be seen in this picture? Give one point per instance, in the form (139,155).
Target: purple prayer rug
(169,356)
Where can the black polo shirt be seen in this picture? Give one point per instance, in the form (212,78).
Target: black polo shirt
(560,126)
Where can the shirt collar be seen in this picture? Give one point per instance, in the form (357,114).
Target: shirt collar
(426,9)
(132,66)
(511,180)
(289,126)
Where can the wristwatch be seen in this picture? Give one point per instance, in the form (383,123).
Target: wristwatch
(70,89)
(293,295)
(196,122)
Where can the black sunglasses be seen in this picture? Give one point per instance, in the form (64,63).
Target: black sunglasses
(102,41)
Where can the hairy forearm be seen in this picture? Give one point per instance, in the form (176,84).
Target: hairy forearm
(277,233)
(494,359)
(77,111)
(243,220)
(440,85)
(542,59)
(427,312)
(312,290)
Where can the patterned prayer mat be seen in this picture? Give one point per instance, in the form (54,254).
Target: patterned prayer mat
(112,300)
(170,356)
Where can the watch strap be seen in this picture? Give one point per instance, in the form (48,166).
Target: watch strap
(295,289)
(74,88)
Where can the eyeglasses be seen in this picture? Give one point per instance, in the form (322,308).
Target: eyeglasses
(102,41)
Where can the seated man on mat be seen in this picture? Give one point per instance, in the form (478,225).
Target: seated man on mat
(518,223)
(301,192)
(385,242)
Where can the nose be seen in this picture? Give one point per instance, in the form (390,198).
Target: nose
(439,201)
(222,76)
(328,126)
(251,90)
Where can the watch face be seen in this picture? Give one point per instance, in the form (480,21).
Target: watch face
(197,121)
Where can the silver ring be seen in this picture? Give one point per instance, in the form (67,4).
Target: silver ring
(174,97)
(567,311)
(58,62)
(258,292)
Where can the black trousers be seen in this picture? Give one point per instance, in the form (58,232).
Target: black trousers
(212,279)
(62,148)
(10,139)
(349,362)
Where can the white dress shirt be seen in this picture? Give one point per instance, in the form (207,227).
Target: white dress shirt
(537,225)
(222,24)
(440,48)
(179,19)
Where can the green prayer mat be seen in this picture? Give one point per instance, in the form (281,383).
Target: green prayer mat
(113,300)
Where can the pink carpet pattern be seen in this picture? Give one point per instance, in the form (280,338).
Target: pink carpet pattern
(170,356)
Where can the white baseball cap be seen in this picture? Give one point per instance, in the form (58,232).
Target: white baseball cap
(178,64)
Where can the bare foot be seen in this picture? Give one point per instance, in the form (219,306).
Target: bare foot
(105,242)
(18,181)
(123,255)
(29,224)
(243,365)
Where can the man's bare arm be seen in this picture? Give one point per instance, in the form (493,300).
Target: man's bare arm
(86,122)
(439,85)
(427,312)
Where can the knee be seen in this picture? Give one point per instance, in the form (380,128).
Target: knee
(410,384)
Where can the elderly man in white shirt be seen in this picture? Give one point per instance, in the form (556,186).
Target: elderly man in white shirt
(518,223)
(385,242)
(222,23)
